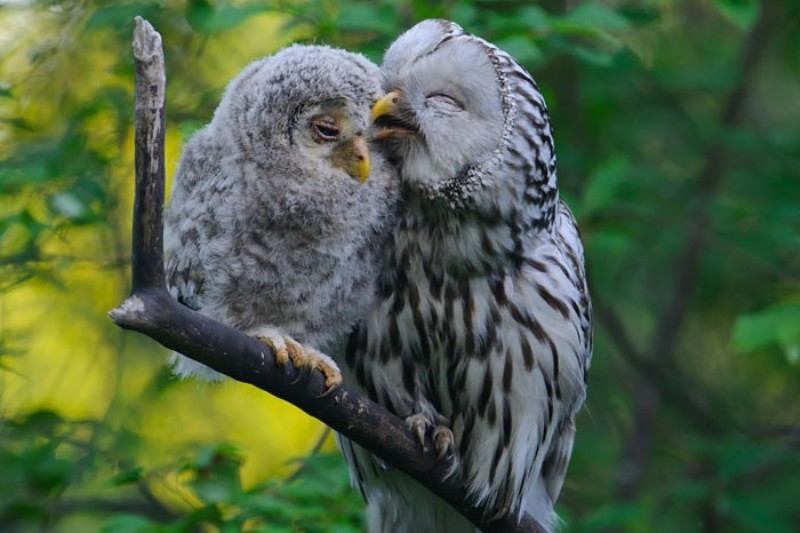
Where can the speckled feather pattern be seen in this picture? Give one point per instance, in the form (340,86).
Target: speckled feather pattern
(485,318)
(261,230)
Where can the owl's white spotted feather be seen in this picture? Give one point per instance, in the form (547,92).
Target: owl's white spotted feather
(269,228)
(485,318)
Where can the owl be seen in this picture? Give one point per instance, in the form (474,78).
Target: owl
(273,227)
(482,337)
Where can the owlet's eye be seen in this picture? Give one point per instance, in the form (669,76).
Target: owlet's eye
(325,129)
(443,102)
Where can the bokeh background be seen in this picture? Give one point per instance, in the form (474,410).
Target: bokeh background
(678,140)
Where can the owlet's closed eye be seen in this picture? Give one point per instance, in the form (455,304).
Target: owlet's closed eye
(325,129)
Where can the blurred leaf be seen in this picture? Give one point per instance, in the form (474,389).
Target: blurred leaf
(743,13)
(189,128)
(756,515)
(521,49)
(592,16)
(120,15)
(591,56)
(19,123)
(42,422)
(521,21)
(640,14)
(778,325)
(128,523)
(364,16)
(465,14)
(615,517)
(204,17)
(216,470)
(604,185)
(127,477)
(210,456)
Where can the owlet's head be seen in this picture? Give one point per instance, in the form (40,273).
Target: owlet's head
(302,113)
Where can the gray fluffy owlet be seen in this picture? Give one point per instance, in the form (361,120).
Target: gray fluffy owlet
(483,333)
(270,228)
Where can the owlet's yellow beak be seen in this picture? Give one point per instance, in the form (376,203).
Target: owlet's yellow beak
(352,156)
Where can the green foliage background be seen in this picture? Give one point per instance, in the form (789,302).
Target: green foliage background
(678,138)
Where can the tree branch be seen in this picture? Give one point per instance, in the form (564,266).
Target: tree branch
(151,310)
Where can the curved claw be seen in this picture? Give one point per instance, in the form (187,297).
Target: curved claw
(278,347)
(303,359)
(443,441)
(442,435)
(418,425)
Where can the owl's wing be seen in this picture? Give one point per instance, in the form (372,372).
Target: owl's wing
(191,219)
(185,280)
(554,467)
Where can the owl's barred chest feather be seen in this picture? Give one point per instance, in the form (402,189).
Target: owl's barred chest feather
(484,344)
(448,283)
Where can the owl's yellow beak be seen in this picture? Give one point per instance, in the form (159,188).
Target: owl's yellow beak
(353,157)
(387,105)
(393,117)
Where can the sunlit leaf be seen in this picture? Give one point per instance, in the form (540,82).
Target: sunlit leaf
(775,326)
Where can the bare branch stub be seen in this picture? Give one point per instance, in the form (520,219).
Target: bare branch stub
(152,311)
(149,116)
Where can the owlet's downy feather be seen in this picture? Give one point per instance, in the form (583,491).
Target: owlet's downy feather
(482,337)
(273,227)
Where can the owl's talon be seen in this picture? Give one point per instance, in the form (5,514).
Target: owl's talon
(303,359)
(442,435)
(278,347)
(301,373)
(443,441)
(418,424)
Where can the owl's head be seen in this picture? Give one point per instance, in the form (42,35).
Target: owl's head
(444,110)
(463,120)
(302,112)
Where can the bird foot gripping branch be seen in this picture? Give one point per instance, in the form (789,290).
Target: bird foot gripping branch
(303,359)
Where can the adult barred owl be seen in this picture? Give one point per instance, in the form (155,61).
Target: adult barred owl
(483,335)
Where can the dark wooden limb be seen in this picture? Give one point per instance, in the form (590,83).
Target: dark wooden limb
(152,311)
(149,117)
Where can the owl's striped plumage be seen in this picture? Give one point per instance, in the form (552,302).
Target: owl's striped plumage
(485,319)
